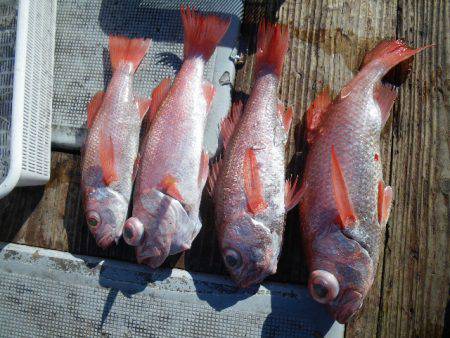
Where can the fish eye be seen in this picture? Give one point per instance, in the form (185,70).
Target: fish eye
(232,259)
(93,219)
(323,286)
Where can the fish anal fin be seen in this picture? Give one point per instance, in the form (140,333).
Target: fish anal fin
(385,196)
(159,94)
(228,125)
(316,113)
(293,193)
(385,95)
(93,107)
(143,106)
(107,159)
(344,205)
(209,92)
(168,185)
(252,184)
(204,169)
(214,173)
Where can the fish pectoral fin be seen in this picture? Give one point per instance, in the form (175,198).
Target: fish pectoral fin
(347,216)
(204,169)
(107,159)
(159,94)
(93,107)
(385,95)
(385,195)
(209,92)
(228,124)
(214,173)
(137,163)
(293,193)
(168,186)
(252,184)
(143,106)
(316,112)
(286,114)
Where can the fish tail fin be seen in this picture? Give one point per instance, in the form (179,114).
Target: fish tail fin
(272,45)
(396,57)
(202,33)
(125,50)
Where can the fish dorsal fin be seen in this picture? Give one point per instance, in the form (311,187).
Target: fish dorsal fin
(385,95)
(143,106)
(107,159)
(316,113)
(204,169)
(93,108)
(385,195)
(293,193)
(168,186)
(252,184)
(209,92)
(286,114)
(347,216)
(214,173)
(229,124)
(159,94)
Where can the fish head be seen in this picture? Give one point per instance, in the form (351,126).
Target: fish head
(249,250)
(342,272)
(105,211)
(160,227)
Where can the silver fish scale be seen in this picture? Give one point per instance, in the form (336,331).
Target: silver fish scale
(256,131)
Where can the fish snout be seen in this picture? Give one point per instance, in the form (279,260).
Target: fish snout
(350,303)
(104,240)
(323,286)
(133,231)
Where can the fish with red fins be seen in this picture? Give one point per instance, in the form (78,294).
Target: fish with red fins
(174,165)
(345,203)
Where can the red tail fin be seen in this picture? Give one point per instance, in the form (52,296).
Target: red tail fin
(124,50)
(201,33)
(273,42)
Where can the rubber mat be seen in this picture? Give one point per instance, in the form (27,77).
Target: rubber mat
(49,293)
(82,65)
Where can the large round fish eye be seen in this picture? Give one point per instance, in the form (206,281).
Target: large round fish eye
(323,286)
(233,259)
(93,219)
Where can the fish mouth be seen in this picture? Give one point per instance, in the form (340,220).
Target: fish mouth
(106,240)
(352,302)
(253,277)
(153,257)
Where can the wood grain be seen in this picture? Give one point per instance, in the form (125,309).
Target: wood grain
(328,41)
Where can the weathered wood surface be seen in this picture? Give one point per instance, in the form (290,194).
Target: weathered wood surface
(328,41)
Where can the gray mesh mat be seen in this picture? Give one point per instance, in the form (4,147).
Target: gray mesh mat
(51,293)
(82,64)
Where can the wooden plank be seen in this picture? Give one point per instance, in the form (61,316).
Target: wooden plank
(416,279)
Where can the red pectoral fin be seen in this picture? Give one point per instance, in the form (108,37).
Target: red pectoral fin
(213,176)
(385,95)
(252,184)
(286,115)
(316,113)
(204,169)
(344,205)
(137,163)
(209,92)
(293,193)
(107,159)
(159,94)
(143,106)
(169,186)
(385,195)
(94,107)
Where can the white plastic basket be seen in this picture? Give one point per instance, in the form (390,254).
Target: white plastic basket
(27,40)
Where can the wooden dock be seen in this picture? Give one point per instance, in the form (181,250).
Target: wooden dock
(328,41)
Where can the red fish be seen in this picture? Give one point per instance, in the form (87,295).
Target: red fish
(174,166)
(346,203)
(250,192)
(111,147)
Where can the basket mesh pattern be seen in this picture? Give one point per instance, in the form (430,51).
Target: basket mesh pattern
(82,65)
(8,21)
(38,88)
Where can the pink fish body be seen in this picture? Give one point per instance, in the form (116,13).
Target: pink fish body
(174,166)
(345,205)
(111,147)
(249,191)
